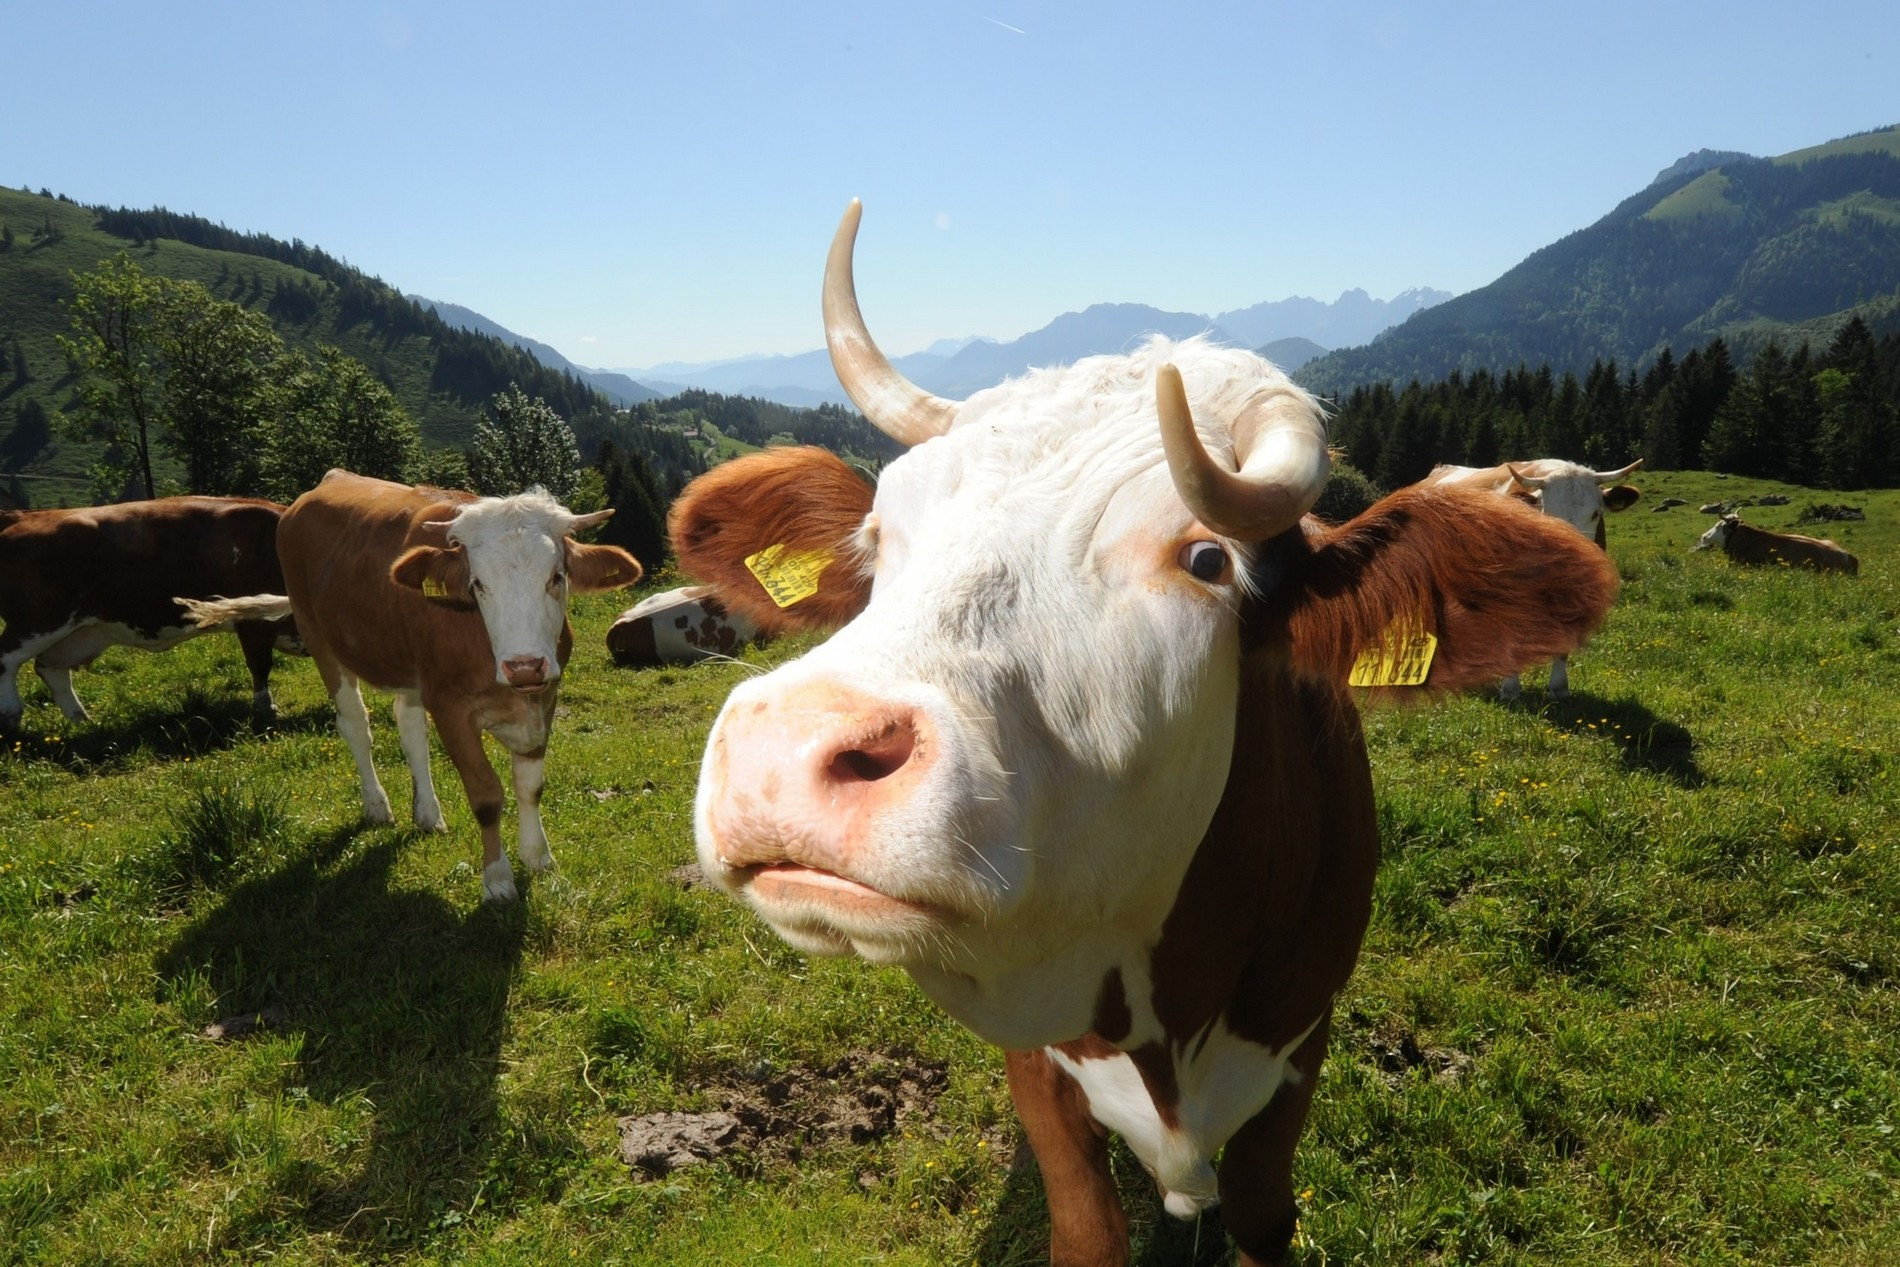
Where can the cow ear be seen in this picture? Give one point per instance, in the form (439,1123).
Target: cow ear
(1620,497)
(440,574)
(775,536)
(1496,586)
(592,569)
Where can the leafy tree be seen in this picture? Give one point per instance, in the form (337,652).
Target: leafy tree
(630,486)
(112,356)
(525,444)
(332,412)
(217,363)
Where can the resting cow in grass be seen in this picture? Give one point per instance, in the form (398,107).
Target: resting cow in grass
(1081,755)
(75,582)
(1745,543)
(1575,494)
(677,626)
(458,604)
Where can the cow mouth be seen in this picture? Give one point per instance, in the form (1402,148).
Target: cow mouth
(530,688)
(805,895)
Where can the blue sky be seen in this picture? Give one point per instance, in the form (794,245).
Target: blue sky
(639,182)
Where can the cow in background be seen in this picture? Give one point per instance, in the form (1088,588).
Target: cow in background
(1745,543)
(677,626)
(1081,755)
(75,582)
(456,603)
(1573,493)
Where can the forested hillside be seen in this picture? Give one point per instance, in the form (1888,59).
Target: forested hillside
(1747,250)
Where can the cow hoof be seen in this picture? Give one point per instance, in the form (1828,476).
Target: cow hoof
(540,861)
(432,822)
(498,882)
(378,815)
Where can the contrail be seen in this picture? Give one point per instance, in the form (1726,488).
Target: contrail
(1006,26)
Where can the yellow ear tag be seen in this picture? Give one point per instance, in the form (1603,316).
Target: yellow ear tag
(789,576)
(432,588)
(1402,658)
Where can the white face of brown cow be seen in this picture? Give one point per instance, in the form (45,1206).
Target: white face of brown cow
(1019,742)
(1574,493)
(1716,538)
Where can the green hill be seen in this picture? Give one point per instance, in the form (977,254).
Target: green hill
(1747,249)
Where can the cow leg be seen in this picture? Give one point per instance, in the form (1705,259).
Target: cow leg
(1560,678)
(15,651)
(1256,1169)
(257,637)
(1087,1227)
(412,725)
(352,721)
(531,842)
(462,740)
(1511,689)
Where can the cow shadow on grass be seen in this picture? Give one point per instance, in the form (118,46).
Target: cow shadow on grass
(1018,1233)
(1646,743)
(202,723)
(398,1000)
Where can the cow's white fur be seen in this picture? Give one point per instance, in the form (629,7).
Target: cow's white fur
(57,652)
(516,551)
(1029,600)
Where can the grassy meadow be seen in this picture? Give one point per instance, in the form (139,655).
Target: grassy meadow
(1631,994)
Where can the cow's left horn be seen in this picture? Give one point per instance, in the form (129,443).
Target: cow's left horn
(1610,477)
(896,406)
(1279,444)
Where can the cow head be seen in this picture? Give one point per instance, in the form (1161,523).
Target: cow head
(1575,494)
(513,559)
(1000,765)
(1716,538)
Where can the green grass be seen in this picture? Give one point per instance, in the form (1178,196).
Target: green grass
(1629,997)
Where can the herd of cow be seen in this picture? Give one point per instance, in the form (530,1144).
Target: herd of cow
(1090,656)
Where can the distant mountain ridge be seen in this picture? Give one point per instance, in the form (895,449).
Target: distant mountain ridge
(1719,245)
(618,388)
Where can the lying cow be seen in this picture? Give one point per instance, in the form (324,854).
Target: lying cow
(1745,543)
(458,604)
(1081,755)
(75,582)
(678,626)
(1575,494)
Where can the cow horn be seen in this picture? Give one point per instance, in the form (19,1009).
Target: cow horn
(1610,477)
(896,406)
(1279,444)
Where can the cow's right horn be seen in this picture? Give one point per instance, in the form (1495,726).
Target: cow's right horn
(1279,444)
(896,406)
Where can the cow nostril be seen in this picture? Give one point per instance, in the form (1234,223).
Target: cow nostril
(874,759)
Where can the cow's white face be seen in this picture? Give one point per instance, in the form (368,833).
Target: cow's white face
(1019,742)
(1716,538)
(1576,498)
(517,563)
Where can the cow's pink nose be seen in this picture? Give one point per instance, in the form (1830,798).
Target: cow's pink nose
(800,775)
(526,670)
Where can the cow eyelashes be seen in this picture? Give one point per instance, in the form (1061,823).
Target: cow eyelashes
(1206,561)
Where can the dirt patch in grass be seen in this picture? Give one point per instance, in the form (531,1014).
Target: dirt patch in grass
(1395,1049)
(776,1114)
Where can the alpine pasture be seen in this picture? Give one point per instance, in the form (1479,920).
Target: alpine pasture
(1630,995)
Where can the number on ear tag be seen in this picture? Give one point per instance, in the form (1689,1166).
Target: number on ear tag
(1402,658)
(789,576)
(432,588)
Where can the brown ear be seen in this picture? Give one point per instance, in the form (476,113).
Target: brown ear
(592,569)
(1620,497)
(1500,586)
(440,574)
(796,513)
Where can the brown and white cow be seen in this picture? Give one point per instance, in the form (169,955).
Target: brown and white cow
(456,603)
(677,626)
(1081,755)
(1573,493)
(1745,543)
(75,582)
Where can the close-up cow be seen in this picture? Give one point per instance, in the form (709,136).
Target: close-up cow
(75,582)
(458,604)
(1081,754)
(1568,491)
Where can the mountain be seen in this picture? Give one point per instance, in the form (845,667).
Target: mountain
(1291,353)
(618,388)
(1719,245)
(1354,318)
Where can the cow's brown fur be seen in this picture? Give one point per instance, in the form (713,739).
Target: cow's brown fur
(1749,544)
(356,553)
(123,564)
(1268,920)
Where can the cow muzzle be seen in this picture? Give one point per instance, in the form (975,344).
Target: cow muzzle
(528,674)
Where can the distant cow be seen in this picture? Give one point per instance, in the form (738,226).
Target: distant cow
(458,604)
(1081,755)
(1573,493)
(678,626)
(75,582)
(1745,543)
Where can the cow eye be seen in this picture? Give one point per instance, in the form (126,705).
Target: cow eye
(475,586)
(556,581)
(1206,561)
